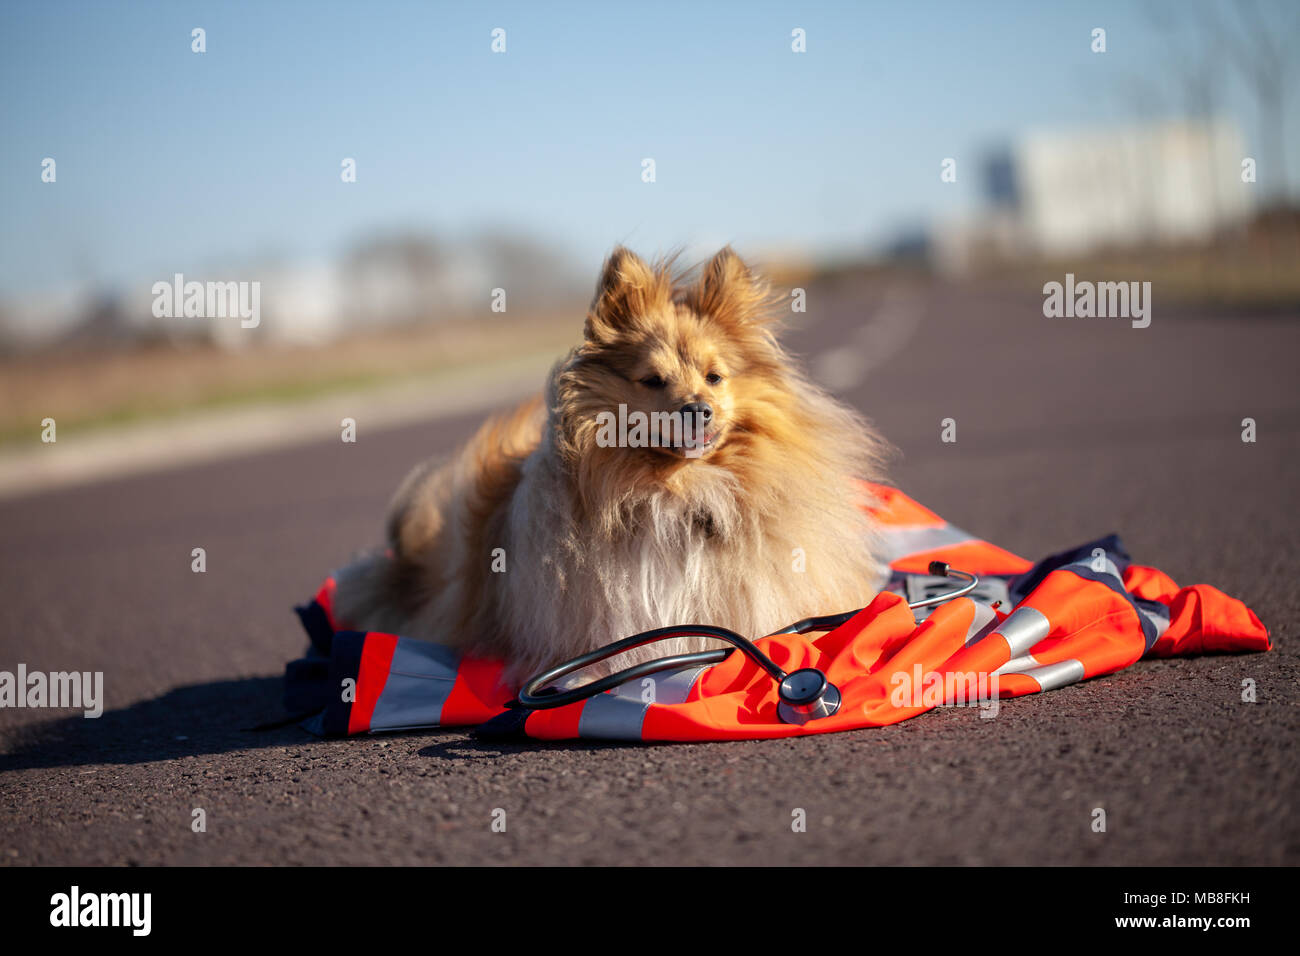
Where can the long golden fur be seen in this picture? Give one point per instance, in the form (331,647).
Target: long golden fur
(539,541)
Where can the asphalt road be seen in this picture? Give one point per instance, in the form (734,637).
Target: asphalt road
(1066,429)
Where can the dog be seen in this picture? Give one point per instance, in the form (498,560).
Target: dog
(551,534)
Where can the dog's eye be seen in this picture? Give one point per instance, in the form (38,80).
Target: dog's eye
(653,381)
(713,378)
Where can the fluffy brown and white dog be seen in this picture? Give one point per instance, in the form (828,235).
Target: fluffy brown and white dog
(543,539)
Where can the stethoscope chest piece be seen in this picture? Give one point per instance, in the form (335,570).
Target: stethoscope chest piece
(807,695)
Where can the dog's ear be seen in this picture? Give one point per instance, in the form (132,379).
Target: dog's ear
(628,290)
(729,292)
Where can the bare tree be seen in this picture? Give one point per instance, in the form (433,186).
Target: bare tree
(1258,47)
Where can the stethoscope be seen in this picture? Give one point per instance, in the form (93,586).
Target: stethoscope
(805,694)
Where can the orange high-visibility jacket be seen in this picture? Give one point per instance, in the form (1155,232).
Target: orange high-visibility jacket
(1028,628)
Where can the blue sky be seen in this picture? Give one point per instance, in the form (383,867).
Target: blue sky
(170,160)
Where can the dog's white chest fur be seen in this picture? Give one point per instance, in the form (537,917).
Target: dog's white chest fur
(696,560)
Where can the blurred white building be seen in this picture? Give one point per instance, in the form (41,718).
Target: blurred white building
(1168,183)
(1072,192)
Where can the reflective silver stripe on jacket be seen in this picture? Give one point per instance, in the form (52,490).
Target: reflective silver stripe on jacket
(1023,628)
(899,541)
(419,682)
(984,623)
(619,714)
(1018,665)
(1048,676)
(1159,616)
(1052,676)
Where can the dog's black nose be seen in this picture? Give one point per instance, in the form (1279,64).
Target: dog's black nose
(697,412)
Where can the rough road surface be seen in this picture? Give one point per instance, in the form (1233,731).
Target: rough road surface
(1066,429)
